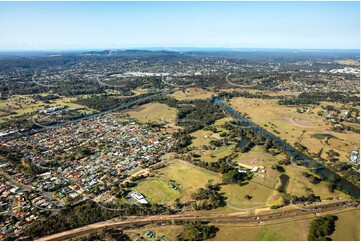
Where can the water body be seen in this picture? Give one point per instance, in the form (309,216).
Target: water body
(298,157)
(243,142)
(284,180)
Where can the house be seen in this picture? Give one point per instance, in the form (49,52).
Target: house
(15,190)
(255,169)
(354,156)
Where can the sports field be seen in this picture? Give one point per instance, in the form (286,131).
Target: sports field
(158,191)
(189,177)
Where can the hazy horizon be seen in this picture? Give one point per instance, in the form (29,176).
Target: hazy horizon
(139,25)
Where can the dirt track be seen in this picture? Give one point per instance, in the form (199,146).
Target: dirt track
(225,218)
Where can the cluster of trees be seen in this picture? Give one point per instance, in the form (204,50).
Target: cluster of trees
(100,103)
(197,231)
(229,95)
(45,98)
(330,97)
(195,115)
(343,128)
(225,166)
(297,101)
(311,198)
(87,213)
(313,179)
(103,235)
(321,228)
(20,163)
(209,198)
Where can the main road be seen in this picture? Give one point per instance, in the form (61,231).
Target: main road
(293,213)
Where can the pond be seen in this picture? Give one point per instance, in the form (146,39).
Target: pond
(284,181)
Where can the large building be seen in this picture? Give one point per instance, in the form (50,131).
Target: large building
(139,197)
(355,156)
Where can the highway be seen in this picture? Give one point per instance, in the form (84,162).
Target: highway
(226,218)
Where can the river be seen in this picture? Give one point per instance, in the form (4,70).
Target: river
(352,189)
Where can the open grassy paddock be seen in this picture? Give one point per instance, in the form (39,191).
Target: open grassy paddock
(192,93)
(215,154)
(236,195)
(347,226)
(158,191)
(203,137)
(297,127)
(188,176)
(347,229)
(168,232)
(155,113)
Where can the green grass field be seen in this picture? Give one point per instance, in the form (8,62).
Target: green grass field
(157,191)
(169,232)
(347,229)
(203,137)
(235,195)
(214,155)
(297,127)
(347,226)
(154,112)
(188,176)
(192,93)
(293,230)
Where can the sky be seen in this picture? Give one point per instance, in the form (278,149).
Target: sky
(111,25)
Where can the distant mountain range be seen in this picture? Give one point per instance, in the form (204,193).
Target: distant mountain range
(194,51)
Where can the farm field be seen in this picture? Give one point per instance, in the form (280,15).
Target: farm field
(168,232)
(221,122)
(297,127)
(203,137)
(214,155)
(263,92)
(192,93)
(347,226)
(155,113)
(296,230)
(257,156)
(189,177)
(301,186)
(297,185)
(348,62)
(235,195)
(347,229)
